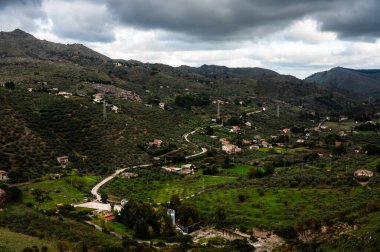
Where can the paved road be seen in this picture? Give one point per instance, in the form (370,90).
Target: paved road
(95,189)
(96,204)
(204,150)
(186,136)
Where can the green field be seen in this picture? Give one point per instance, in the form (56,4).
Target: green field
(58,191)
(15,242)
(156,185)
(236,170)
(273,208)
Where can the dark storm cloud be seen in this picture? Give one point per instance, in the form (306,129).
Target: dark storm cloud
(4,3)
(220,19)
(353,19)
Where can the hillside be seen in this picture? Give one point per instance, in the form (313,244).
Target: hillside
(365,82)
(29,62)
(40,125)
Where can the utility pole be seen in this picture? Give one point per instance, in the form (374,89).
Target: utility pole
(278,111)
(104,109)
(218,111)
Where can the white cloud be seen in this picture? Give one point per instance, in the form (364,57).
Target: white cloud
(300,49)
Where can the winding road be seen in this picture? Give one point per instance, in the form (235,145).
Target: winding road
(97,204)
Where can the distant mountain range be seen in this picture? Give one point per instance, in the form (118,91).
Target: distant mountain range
(27,61)
(365,82)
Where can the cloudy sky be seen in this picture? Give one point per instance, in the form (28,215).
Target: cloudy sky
(295,37)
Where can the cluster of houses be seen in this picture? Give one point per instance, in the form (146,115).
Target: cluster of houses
(187,169)
(228,147)
(99,98)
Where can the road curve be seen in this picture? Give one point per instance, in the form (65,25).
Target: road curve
(95,189)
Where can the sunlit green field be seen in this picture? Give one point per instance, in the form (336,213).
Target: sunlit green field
(159,186)
(273,208)
(58,191)
(15,242)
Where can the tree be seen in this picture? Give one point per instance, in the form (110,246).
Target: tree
(378,166)
(104,197)
(188,214)
(226,162)
(269,168)
(175,202)
(141,229)
(10,85)
(209,131)
(252,173)
(220,215)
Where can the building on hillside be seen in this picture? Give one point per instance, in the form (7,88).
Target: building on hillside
(363,173)
(3,176)
(63,161)
(254,147)
(246,142)
(156,143)
(123,202)
(231,148)
(161,105)
(98,98)
(129,175)
(286,131)
(234,129)
(186,171)
(115,108)
(171,169)
(64,94)
(265,144)
(109,217)
(188,166)
(300,141)
(55,176)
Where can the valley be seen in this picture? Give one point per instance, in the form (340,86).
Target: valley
(99,154)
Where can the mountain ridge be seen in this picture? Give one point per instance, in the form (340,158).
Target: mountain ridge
(361,81)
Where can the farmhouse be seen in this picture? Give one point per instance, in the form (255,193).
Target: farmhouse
(109,217)
(186,171)
(246,142)
(254,147)
(63,161)
(188,166)
(3,175)
(265,144)
(300,141)
(64,94)
(98,97)
(161,105)
(156,143)
(171,168)
(234,129)
(129,175)
(286,131)
(231,148)
(363,173)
